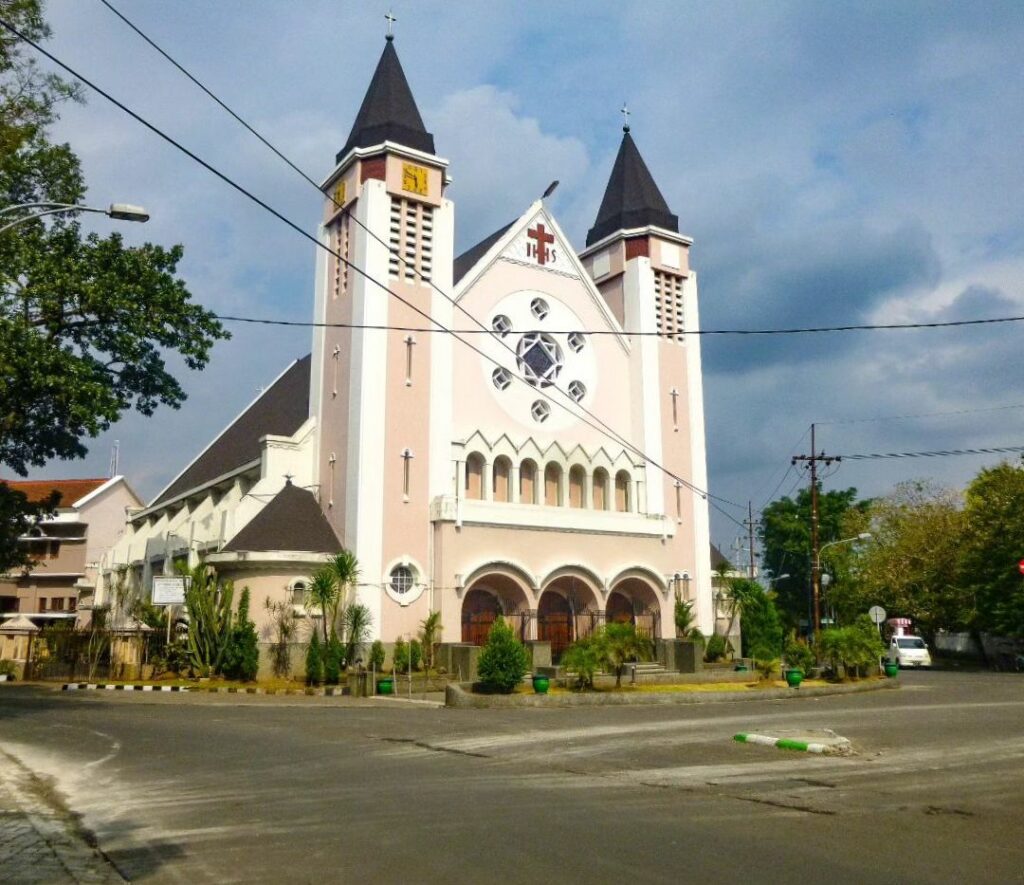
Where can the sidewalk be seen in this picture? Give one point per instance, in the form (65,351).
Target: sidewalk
(39,842)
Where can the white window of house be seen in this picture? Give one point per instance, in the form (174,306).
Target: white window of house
(539,308)
(501,324)
(402,580)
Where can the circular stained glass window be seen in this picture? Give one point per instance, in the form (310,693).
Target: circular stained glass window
(539,358)
(401,579)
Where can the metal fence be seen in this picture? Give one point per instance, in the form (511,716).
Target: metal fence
(68,655)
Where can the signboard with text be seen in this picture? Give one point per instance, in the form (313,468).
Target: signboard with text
(169,590)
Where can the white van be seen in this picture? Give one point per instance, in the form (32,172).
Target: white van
(909,651)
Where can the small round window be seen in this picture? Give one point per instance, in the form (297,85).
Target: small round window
(577,341)
(539,308)
(401,579)
(577,390)
(501,378)
(540,411)
(501,324)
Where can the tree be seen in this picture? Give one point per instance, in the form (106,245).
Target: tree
(762,626)
(86,323)
(993,544)
(242,658)
(911,566)
(322,595)
(344,567)
(785,535)
(18,517)
(619,644)
(504,660)
(357,622)
(430,633)
(583,658)
(314,661)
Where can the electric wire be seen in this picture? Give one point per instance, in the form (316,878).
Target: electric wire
(316,241)
(946,453)
(921,415)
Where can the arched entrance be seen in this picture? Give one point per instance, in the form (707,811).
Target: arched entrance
(634,601)
(568,611)
(492,594)
(479,609)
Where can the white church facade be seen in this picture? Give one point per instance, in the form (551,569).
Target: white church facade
(546,462)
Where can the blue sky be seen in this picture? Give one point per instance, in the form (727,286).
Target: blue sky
(834,162)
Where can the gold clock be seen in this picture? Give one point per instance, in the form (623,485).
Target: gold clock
(414,179)
(338,194)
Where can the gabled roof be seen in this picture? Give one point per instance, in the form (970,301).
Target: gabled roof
(471,256)
(291,521)
(280,410)
(632,199)
(388,111)
(71,490)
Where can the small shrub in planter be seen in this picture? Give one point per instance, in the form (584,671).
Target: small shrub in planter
(401,656)
(377,655)
(504,660)
(333,660)
(7,669)
(799,656)
(715,649)
(583,658)
(415,654)
(766,667)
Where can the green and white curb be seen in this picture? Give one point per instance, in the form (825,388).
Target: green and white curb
(836,746)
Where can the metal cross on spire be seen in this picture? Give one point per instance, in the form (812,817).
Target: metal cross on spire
(390,18)
(625,117)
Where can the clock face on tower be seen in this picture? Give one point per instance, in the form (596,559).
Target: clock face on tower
(542,343)
(414,179)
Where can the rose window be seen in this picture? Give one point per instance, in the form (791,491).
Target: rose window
(539,358)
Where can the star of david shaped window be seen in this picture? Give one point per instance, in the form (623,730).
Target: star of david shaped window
(539,358)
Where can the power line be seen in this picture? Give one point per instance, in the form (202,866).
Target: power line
(922,415)
(874,456)
(614,434)
(316,241)
(626,333)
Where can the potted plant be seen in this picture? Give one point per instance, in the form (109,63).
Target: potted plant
(385,685)
(891,668)
(794,676)
(541,683)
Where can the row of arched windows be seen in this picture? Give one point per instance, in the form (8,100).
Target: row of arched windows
(549,488)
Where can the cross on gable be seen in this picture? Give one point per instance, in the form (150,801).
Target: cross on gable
(539,247)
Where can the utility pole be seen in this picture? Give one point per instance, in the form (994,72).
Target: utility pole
(749,523)
(814,459)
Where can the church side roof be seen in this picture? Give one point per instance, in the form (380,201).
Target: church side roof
(281,410)
(632,199)
(464,263)
(292,521)
(388,111)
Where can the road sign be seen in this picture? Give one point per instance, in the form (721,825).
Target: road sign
(169,590)
(877,614)
(1020,566)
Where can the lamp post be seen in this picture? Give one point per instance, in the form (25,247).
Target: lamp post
(816,579)
(120,211)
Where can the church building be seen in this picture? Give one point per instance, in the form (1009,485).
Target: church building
(545,460)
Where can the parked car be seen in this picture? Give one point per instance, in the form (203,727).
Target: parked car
(909,651)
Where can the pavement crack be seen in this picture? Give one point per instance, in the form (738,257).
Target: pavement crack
(814,782)
(938,809)
(776,803)
(435,748)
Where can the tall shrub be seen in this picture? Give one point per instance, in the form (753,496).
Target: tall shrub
(284,629)
(208,603)
(583,660)
(401,656)
(504,660)
(242,658)
(314,661)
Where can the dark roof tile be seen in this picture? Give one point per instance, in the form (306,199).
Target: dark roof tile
(292,521)
(281,409)
(464,263)
(632,199)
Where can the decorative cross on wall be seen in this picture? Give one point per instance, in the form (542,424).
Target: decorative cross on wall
(539,248)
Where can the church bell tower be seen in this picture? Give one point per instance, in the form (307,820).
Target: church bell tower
(381,433)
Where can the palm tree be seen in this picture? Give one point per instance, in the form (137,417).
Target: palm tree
(430,631)
(345,569)
(621,643)
(356,622)
(322,593)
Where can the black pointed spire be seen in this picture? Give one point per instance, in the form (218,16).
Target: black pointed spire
(632,199)
(388,112)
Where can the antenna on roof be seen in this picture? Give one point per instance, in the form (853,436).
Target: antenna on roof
(550,190)
(115,451)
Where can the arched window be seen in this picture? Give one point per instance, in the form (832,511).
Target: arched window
(552,485)
(622,497)
(600,489)
(577,479)
(502,479)
(528,482)
(297,592)
(475,476)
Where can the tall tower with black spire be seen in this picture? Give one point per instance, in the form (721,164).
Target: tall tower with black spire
(381,434)
(640,264)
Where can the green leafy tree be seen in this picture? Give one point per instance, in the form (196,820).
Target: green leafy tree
(344,567)
(242,658)
(357,622)
(619,644)
(18,517)
(415,653)
(856,648)
(716,648)
(785,535)
(322,598)
(912,565)
(993,544)
(504,660)
(762,626)
(377,655)
(87,324)
(334,659)
(400,656)
(430,635)
(314,660)
(682,615)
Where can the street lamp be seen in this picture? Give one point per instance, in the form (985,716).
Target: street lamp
(816,576)
(120,211)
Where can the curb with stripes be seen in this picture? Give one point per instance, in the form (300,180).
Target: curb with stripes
(836,747)
(110,686)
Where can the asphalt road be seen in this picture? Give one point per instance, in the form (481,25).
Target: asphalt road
(218,788)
